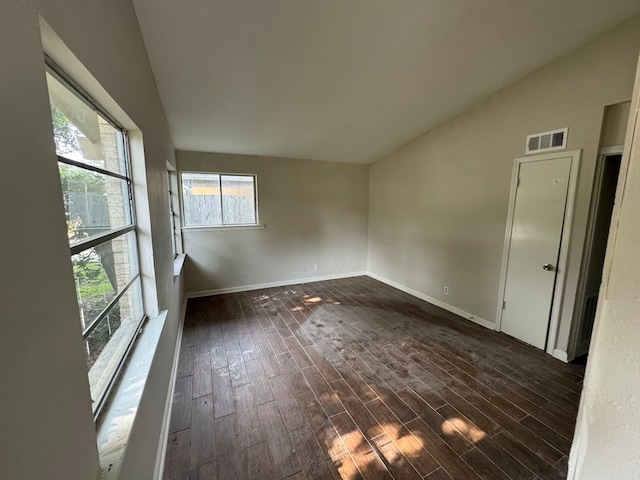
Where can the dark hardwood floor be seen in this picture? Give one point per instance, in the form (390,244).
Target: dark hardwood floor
(354,379)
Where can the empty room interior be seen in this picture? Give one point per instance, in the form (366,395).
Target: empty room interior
(317,240)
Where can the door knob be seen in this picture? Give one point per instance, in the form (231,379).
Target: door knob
(548,267)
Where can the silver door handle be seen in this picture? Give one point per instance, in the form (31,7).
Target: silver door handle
(548,267)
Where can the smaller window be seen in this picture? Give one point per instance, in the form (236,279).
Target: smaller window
(174,218)
(217,199)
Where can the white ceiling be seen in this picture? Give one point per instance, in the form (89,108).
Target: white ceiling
(346,80)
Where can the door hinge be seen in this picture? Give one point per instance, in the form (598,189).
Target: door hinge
(504,304)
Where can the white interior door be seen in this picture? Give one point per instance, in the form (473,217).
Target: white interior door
(538,218)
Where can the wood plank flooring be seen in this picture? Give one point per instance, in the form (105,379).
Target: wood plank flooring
(354,379)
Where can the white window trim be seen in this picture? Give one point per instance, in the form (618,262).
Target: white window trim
(256,226)
(178,264)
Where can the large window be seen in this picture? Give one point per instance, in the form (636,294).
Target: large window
(217,199)
(96,188)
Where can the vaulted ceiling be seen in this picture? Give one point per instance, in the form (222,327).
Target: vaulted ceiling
(346,80)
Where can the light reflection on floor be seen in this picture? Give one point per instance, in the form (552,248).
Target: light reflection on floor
(457,426)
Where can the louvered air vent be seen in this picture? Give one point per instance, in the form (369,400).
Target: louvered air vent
(546,141)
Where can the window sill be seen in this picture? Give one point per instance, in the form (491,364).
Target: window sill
(178,264)
(118,416)
(226,227)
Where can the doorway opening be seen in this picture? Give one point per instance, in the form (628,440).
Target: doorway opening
(603,201)
(612,139)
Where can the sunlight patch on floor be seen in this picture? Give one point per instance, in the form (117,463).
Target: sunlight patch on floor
(457,426)
(407,446)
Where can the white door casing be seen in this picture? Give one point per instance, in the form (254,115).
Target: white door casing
(537,234)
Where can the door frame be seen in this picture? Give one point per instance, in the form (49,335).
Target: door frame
(561,275)
(576,324)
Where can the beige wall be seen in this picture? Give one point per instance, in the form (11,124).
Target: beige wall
(607,438)
(438,210)
(48,429)
(314,213)
(438,205)
(614,125)
(43,370)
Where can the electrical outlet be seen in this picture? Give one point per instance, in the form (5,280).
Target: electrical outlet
(315,267)
(446,290)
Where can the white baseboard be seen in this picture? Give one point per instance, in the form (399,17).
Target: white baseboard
(560,355)
(164,430)
(282,283)
(436,302)
(410,291)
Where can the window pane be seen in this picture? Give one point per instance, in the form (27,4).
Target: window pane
(238,199)
(81,134)
(93,203)
(171,219)
(102,272)
(201,199)
(109,341)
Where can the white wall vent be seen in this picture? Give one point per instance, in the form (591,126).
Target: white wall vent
(546,141)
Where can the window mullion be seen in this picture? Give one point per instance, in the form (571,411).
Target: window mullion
(255,200)
(93,242)
(125,150)
(91,168)
(107,309)
(221,199)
